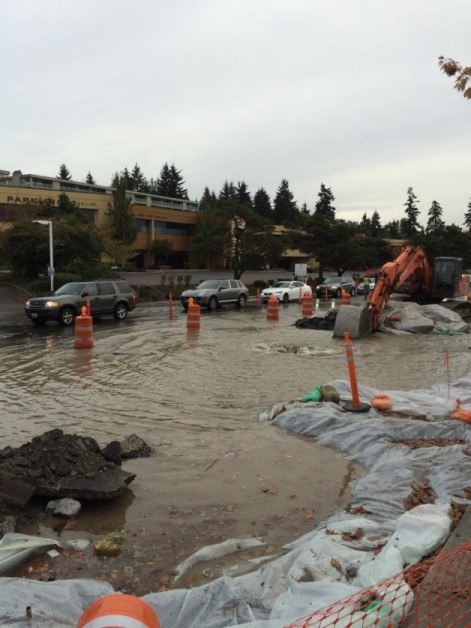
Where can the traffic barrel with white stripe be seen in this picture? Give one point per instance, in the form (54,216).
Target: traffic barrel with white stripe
(273,308)
(193,320)
(119,611)
(83,330)
(307,304)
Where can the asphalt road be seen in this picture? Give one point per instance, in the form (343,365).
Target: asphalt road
(11,304)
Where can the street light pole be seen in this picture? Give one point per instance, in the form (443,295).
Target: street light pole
(51,250)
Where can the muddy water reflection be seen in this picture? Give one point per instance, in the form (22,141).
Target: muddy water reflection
(217,471)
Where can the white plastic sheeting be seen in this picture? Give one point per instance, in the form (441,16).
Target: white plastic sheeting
(16,548)
(332,561)
(412,318)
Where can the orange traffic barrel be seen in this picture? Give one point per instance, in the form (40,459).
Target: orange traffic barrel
(194,315)
(83,330)
(119,611)
(307,304)
(273,309)
(346,300)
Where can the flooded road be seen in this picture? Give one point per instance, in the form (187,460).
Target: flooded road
(217,472)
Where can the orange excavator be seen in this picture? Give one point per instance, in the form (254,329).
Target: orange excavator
(411,273)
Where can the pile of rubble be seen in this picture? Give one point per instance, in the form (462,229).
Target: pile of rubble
(66,465)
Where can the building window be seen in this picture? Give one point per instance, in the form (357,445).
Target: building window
(142,225)
(171,228)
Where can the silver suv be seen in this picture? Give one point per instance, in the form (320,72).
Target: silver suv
(215,292)
(105,296)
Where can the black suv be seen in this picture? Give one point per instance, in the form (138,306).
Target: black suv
(105,296)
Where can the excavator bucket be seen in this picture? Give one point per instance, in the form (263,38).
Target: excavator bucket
(355,320)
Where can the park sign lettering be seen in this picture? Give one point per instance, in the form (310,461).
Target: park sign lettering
(31,200)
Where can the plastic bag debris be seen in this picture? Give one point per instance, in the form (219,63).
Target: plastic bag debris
(209,552)
(314,395)
(16,548)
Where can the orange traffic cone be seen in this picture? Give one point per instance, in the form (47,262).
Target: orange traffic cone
(307,305)
(273,309)
(120,611)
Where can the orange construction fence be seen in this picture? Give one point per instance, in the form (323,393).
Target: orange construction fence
(435,592)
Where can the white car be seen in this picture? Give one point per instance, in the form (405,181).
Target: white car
(286,291)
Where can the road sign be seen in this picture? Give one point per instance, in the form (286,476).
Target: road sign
(51,270)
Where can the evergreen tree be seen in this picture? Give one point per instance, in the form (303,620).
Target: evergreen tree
(242,193)
(365,224)
(304,209)
(208,201)
(89,179)
(411,224)
(137,180)
(392,229)
(435,223)
(127,179)
(177,189)
(285,209)
(170,183)
(262,205)
(324,206)
(375,224)
(64,173)
(227,192)
(467,217)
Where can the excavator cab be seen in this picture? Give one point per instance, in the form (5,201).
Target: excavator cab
(446,277)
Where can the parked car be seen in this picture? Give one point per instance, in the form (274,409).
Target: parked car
(212,293)
(105,296)
(334,285)
(286,291)
(361,287)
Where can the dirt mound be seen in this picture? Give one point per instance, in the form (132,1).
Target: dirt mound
(64,465)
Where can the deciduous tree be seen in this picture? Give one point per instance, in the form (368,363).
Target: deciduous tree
(463,74)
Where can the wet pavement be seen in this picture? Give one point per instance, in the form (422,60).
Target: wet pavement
(217,472)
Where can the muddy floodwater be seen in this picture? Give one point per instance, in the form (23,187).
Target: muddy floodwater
(217,472)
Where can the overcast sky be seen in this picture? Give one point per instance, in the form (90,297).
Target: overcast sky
(342,92)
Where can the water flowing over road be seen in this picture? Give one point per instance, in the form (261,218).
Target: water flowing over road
(217,472)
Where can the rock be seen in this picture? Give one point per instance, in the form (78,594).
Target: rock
(7,452)
(134,447)
(15,490)
(112,452)
(64,507)
(329,393)
(62,465)
(78,544)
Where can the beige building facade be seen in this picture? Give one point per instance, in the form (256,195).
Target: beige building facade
(157,217)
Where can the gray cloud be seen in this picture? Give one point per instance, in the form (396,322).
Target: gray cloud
(340,92)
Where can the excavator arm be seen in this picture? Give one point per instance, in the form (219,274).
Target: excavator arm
(410,266)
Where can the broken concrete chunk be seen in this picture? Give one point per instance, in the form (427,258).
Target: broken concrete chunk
(64,507)
(15,490)
(134,447)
